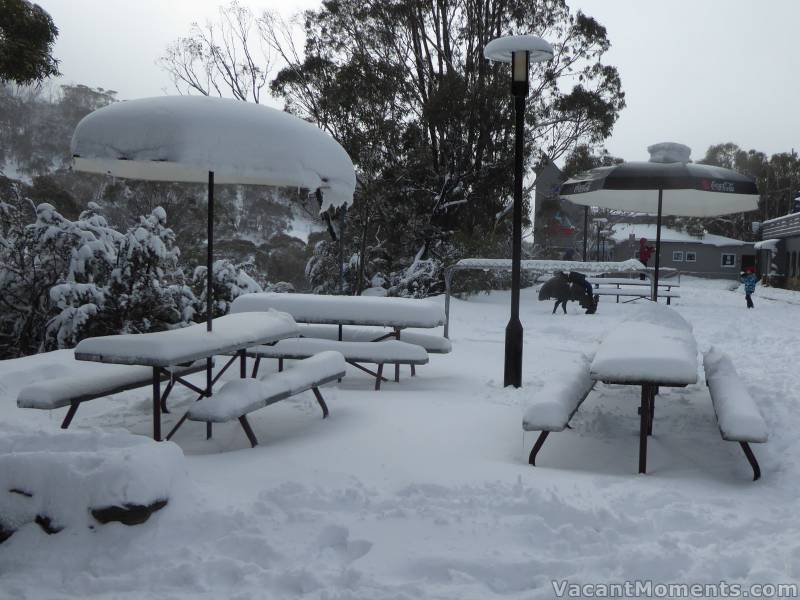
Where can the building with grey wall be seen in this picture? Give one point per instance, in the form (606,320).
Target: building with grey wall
(707,256)
(779,252)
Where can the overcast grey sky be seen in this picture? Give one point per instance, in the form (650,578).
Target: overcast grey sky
(694,71)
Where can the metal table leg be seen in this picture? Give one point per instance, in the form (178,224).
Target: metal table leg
(644,421)
(157,404)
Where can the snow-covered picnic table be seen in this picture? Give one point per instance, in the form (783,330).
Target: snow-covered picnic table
(232,334)
(375,312)
(633,288)
(654,347)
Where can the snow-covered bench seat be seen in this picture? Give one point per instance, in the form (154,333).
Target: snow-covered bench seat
(553,405)
(239,397)
(737,414)
(433,344)
(105,380)
(634,293)
(354,353)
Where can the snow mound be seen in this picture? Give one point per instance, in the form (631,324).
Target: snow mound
(669,152)
(62,476)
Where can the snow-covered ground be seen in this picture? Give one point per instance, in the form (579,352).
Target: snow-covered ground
(422,490)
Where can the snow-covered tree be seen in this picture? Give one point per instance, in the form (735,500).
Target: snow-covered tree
(231,280)
(120,283)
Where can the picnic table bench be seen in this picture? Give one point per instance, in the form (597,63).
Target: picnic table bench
(354,353)
(333,317)
(104,380)
(433,344)
(613,286)
(553,405)
(737,414)
(237,398)
(168,355)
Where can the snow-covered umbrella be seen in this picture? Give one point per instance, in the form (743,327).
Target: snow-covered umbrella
(200,139)
(669,184)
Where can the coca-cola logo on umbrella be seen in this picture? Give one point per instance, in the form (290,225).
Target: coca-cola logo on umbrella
(717,186)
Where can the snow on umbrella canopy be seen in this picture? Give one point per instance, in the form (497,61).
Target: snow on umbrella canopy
(201,139)
(666,185)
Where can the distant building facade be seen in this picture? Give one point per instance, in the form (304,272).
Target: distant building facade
(711,255)
(557,223)
(779,251)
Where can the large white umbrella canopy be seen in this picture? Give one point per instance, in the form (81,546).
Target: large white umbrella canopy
(669,184)
(215,140)
(183,138)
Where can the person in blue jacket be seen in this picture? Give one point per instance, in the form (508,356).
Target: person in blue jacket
(749,279)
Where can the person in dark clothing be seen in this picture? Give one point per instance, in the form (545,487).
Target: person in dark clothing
(582,291)
(563,288)
(749,279)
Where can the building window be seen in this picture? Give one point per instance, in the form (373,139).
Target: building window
(691,257)
(728,260)
(794,264)
(677,256)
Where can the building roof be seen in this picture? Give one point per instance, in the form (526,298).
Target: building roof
(623,231)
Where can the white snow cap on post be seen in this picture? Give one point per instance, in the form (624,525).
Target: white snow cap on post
(500,49)
(182,138)
(669,152)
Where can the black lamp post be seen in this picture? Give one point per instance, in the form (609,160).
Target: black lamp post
(520,51)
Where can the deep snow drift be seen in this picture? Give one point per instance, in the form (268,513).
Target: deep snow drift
(422,490)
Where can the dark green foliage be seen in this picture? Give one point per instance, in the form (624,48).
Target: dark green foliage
(27,36)
(583,157)
(404,87)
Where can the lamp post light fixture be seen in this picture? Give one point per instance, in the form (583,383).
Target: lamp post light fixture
(520,51)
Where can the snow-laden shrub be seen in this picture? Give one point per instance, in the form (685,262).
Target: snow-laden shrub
(422,278)
(48,254)
(119,283)
(230,281)
(280,287)
(322,270)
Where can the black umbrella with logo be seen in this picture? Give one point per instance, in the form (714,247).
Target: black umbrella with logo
(666,185)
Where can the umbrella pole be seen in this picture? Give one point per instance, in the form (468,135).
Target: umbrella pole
(585,229)
(210,252)
(209,288)
(658,245)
